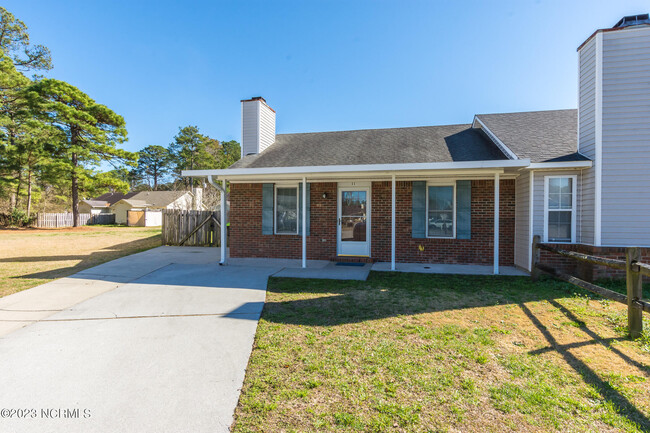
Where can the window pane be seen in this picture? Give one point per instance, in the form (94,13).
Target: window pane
(554,185)
(353,203)
(440,216)
(286,215)
(353,229)
(565,201)
(441,224)
(441,198)
(553,201)
(559,226)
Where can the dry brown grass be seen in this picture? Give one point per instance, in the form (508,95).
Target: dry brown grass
(29,257)
(421,353)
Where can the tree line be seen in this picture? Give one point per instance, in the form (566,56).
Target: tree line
(54,139)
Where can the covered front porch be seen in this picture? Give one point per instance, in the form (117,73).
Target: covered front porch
(388,214)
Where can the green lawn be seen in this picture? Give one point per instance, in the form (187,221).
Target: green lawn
(415,352)
(29,257)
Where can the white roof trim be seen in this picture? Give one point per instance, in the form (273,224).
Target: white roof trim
(500,144)
(521,163)
(560,164)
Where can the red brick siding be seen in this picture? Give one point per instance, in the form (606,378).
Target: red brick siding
(585,270)
(477,250)
(247,240)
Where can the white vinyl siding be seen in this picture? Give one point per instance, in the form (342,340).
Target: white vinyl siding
(267,126)
(626,137)
(522,221)
(250,127)
(539,203)
(587,137)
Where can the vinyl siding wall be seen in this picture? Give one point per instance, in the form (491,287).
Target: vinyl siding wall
(538,201)
(267,127)
(586,136)
(250,127)
(522,221)
(626,138)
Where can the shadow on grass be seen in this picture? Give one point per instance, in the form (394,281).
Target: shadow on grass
(623,406)
(386,295)
(85,260)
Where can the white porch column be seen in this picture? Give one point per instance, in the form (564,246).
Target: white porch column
(224,225)
(304,222)
(392,232)
(496,223)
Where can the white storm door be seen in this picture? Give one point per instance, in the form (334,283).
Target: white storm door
(353,221)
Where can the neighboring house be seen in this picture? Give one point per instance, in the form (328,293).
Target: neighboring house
(103,203)
(439,194)
(156,201)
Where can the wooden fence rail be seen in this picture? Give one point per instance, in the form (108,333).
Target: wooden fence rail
(191,228)
(634,271)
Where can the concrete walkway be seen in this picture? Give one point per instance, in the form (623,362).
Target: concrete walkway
(154,342)
(424,268)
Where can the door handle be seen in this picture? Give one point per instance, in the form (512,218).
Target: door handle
(339,221)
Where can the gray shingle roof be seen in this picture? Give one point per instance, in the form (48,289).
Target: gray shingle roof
(96,203)
(542,136)
(158,198)
(114,197)
(376,146)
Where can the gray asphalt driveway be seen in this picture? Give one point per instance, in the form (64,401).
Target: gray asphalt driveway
(161,346)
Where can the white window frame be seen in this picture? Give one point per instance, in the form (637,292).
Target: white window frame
(574,206)
(445,183)
(275,208)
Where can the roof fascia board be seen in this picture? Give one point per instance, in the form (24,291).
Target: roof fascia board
(500,144)
(561,164)
(463,165)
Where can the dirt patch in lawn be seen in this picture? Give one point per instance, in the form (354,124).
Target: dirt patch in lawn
(29,257)
(412,352)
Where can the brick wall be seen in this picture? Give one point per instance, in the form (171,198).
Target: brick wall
(247,240)
(477,250)
(588,271)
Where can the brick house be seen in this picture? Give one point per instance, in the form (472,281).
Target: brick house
(465,194)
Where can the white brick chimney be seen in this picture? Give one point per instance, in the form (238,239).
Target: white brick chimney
(257,125)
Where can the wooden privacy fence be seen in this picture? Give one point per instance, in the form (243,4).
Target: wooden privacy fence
(191,228)
(55,220)
(634,271)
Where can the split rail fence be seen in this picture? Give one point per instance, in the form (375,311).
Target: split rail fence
(191,228)
(634,271)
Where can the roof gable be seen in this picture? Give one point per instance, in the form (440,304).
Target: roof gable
(158,198)
(541,136)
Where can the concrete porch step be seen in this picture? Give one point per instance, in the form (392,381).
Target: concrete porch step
(353,259)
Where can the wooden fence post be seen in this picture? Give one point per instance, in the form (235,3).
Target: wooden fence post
(634,292)
(534,259)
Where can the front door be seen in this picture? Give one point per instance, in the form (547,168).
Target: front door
(353,221)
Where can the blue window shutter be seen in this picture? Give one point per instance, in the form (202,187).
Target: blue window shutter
(267,209)
(419,210)
(463,209)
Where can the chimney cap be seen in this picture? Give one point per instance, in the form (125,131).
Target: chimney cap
(255,98)
(632,20)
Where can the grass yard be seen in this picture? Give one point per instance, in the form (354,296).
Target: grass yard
(416,352)
(29,257)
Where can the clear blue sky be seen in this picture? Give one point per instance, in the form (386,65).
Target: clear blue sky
(322,65)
